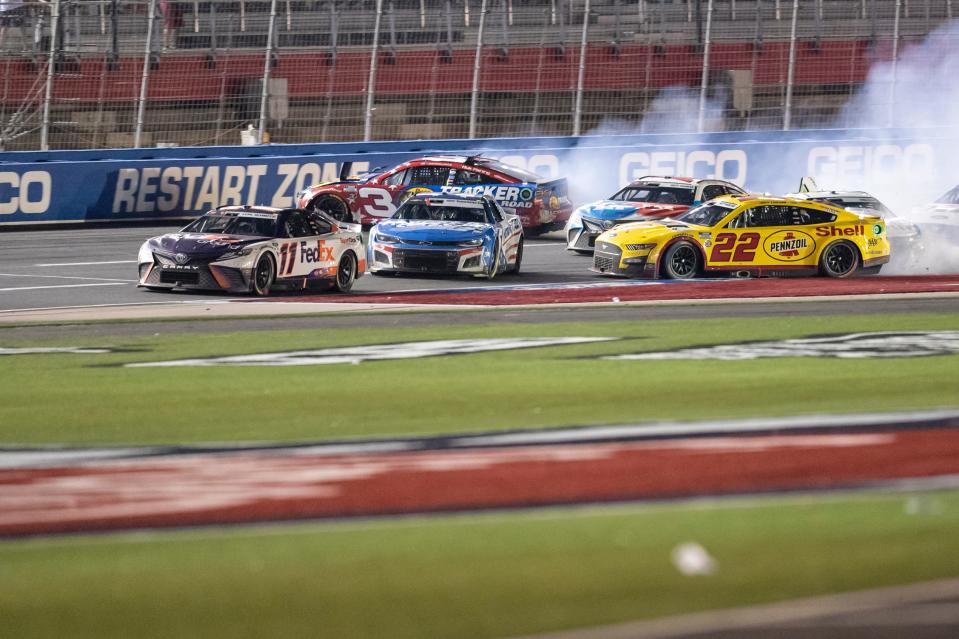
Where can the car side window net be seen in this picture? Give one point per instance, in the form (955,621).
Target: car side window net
(430,175)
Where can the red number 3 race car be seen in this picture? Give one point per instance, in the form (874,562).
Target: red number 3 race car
(542,205)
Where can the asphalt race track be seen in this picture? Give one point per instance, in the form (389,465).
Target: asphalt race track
(96,267)
(44,269)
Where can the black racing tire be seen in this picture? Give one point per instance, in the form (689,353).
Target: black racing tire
(519,258)
(264,276)
(345,273)
(681,261)
(334,207)
(839,259)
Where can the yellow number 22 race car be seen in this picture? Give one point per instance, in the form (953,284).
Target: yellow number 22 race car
(747,235)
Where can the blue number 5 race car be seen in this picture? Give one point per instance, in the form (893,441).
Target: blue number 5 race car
(448,234)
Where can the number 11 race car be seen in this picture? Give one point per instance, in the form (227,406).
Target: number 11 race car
(749,236)
(256,249)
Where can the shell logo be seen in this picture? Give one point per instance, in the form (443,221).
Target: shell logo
(789,246)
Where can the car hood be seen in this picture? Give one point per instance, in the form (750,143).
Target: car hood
(619,210)
(200,244)
(642,232)
(432,230)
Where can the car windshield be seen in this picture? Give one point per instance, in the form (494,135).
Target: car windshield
(709,214)
(950,197)
(254,224)
(443,211)
(658,194)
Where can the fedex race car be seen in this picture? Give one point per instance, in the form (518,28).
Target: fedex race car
(255,249)
(747,235)
(447,234)
(905,238)
(648,197)
(542,205)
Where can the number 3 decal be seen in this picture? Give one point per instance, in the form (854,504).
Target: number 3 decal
(382,204)
(745,247)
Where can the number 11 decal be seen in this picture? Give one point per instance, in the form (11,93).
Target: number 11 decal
(744,244)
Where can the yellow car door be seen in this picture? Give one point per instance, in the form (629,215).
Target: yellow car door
(740,243)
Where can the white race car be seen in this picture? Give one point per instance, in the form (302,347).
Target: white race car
(256,249)
(905,238)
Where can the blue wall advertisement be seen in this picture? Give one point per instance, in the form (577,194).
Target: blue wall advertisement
(903,167)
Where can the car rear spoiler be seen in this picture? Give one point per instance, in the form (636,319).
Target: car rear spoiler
(807,185)
(345,171)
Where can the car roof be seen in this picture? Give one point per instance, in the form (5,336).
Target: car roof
(666,180)
(754,198)
(272,210)
(451,197)
(810,195)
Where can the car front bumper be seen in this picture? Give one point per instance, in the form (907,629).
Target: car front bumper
(402,258)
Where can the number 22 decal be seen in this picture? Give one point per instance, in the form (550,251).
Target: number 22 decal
(744,244)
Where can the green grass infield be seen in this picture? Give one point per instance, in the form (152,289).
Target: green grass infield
(463,576)
(89,399)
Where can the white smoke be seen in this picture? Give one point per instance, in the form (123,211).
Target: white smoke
(918,92)
(676,110)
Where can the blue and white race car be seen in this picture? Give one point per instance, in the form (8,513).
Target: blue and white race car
(648,198)
(447,234)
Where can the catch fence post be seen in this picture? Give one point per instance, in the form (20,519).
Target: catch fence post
(578,109)
(51,67)
(704,83)
(145,76)
(267,64)
(895,63)
(477,67)
(371,81)
(791,71)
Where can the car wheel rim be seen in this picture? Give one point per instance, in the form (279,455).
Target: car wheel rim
(840,259)
(683,261)
(332,207)
(263,272)
(345,272)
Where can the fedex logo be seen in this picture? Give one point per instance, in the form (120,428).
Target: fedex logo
(312,255)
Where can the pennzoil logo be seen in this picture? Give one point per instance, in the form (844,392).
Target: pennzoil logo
(789,246)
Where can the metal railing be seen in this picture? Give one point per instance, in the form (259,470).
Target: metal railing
(120,73)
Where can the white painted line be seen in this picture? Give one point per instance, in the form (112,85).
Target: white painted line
(88,263)
(123,304)
(717,427)
(34,288)
(68,277)
(803,614)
